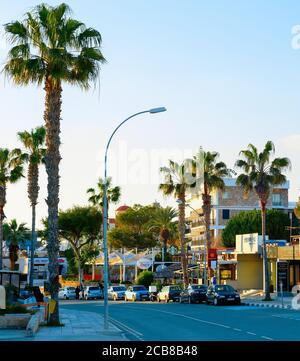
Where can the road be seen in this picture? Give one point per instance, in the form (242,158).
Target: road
(193,322)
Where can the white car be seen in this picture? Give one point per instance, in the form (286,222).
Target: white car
(91,292)
(116,292)
(67,293)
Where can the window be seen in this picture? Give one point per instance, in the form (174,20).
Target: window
(225,195)
(226,213)
(276,199)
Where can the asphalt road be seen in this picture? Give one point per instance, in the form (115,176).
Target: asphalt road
(197,322)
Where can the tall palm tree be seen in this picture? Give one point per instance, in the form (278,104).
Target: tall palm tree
(49,48)
(163,222)
(261,174)
(96,195)
(11,170)
(178,180)
(14,234)
(34,142)
(213,174)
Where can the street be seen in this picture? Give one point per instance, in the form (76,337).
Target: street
(193,322)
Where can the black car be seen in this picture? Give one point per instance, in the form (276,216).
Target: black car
(194,293)
(222,294)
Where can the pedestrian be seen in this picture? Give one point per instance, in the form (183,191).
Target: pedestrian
(77,290)
(82,291)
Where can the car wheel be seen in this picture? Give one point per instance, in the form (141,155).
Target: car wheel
(125,299)
(65,297)
(238,302)
(216,302)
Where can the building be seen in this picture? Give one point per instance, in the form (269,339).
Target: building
(225,205)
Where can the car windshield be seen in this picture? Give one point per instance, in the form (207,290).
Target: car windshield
(224,288)
(119,288)
(94,288)
(175,288)
(199,287)
(139,288)
(72,289)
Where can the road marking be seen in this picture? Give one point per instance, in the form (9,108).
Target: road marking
(237,329)
(251,333)
(130,330)
(267,338)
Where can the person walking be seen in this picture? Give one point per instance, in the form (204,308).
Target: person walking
(77,290)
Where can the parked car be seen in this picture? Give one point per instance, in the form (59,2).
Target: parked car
(137,293)
(222,294)
(91,292)
(116,292)
(67,293)
(194,293)
(169,293)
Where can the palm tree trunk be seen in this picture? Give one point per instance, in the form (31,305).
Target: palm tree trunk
(52,159)
(181,208)
(264,249)
(206,199)
(33,191)
(33,241)
(2,216)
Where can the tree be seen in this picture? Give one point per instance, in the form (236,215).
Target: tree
(163,222)
(11,170)
(97,195)
(145,278)
(132,229)
(179,178)
(80,226)
(261,174)
(34,155)
(49,48)
(15,234)
(297,209)
(213,173)
(250,222)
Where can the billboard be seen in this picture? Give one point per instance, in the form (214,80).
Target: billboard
(248,243)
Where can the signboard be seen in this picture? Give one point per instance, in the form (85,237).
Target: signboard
(282,275)
(212,255)
(248,243)
(160,268)
(144,263)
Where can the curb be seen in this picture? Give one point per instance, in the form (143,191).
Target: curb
(34,324)
(268,305)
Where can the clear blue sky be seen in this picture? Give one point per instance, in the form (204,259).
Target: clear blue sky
(225,70)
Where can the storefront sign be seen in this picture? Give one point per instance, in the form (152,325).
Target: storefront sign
(248,243)
(282,275)
(144,263)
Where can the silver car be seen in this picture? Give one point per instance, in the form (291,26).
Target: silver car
(91,292)
(67,293)
(116,293)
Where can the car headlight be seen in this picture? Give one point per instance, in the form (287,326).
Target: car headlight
(237,295)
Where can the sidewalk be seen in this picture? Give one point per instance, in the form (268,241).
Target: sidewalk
(78,326)
(277,302)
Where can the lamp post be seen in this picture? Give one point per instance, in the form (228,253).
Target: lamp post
(105,215)
(199,215)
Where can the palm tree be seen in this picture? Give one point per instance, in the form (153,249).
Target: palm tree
(178,180)
(261,174)
(49,48)
(15,234)
(213,174)
(96,195)
(33,142)
(163,222)
(11,170)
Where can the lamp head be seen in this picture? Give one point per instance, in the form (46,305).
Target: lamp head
(157,110)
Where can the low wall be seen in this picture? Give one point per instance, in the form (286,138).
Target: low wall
(15,321)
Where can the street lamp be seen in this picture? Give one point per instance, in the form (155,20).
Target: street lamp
(179,201)
(105,215)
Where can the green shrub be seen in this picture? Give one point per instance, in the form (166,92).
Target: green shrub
(16,308)
(145,278)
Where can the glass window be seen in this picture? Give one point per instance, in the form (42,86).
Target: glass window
(276,199)
(226,213)
(225,195)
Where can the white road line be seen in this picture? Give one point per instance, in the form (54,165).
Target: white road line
(251,333)
(267,338)
(126,328)
(237,329)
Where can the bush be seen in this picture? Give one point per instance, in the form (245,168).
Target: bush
(158,285)
(16,308)
(145,278)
